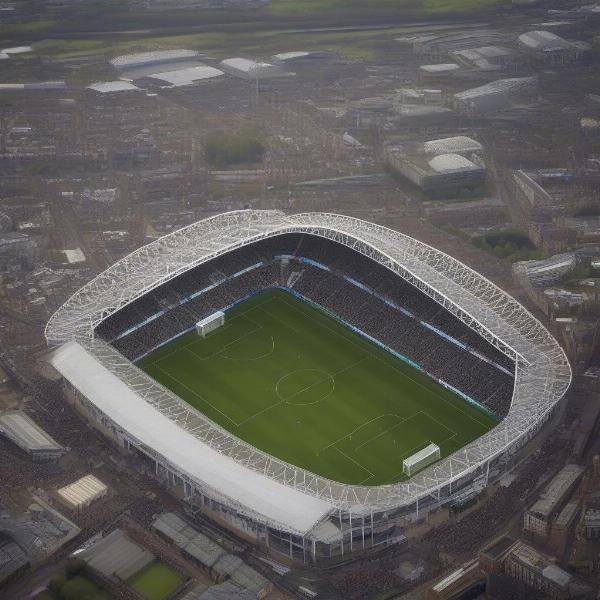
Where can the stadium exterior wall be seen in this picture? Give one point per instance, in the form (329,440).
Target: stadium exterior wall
(542,373)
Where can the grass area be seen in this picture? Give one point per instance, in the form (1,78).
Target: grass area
(512,245)
(76,588)
(351,44)
(298,384)
(156,581)
(371,8)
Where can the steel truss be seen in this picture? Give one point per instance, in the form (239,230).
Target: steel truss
(542,372)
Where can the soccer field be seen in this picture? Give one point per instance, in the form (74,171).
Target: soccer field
(298,384)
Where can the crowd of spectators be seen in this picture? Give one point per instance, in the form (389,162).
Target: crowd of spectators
(356,288)
(469,533)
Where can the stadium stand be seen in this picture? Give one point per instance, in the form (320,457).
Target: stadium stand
(353,287)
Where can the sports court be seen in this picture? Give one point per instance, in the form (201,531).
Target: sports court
(293,381)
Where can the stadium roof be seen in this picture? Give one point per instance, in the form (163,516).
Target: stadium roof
(457,144)
(180,77)
(264,496)
(119,388)
(109,87)
(26,433)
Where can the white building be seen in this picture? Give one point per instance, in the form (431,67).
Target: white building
(81,493)
(494,95)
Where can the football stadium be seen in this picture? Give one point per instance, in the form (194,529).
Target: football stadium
(314,382)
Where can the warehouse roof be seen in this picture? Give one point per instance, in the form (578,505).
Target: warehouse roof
(250,68)
(188,76)
(544,41)
(452,163)
(440,68)
(117,557)
(292,509)
(457,144)
(145,58)
(83,491)
(17,50)
(554,493)
(26,433)
(483,52)
(228,590)
(499,86)
(108,87)
(12,557)
(291,55)
(189,539)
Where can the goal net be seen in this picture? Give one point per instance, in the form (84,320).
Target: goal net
(421,459)
(210,323)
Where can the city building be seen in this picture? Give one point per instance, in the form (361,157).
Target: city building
(30,437)
(537,520)
(496,95)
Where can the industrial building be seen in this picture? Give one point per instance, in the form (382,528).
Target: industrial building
(112,87)
(25,433)
(13,560)
(245,68)
(144,59)
(460,144)
(81,493)
(591,522)
(495,95)
(187,76)
(302,58)
(538,519)
(203,551)
(551,48)
(547,271)
(116,557)
(485,58)
(525,565)
(17,247)
(449,171)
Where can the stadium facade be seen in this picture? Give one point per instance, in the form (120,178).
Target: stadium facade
(281,507)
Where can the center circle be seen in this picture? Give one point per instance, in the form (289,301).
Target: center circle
(305,387)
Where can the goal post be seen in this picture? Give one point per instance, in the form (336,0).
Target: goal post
(210,323)
(421,459)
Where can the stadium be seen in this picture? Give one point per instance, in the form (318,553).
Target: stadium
(314,382)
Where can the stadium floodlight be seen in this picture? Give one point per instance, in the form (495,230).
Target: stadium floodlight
(210,323)
(421,459)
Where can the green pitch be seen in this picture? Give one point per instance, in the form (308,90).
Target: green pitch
(296,383)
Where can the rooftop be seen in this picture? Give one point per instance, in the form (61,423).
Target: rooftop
(180,77)
(440,68)
(26,433)
(499,86)
(144,58)
(109,87)
(457,144)
(83,491)
(555,491)
(544,41)
(452,163)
